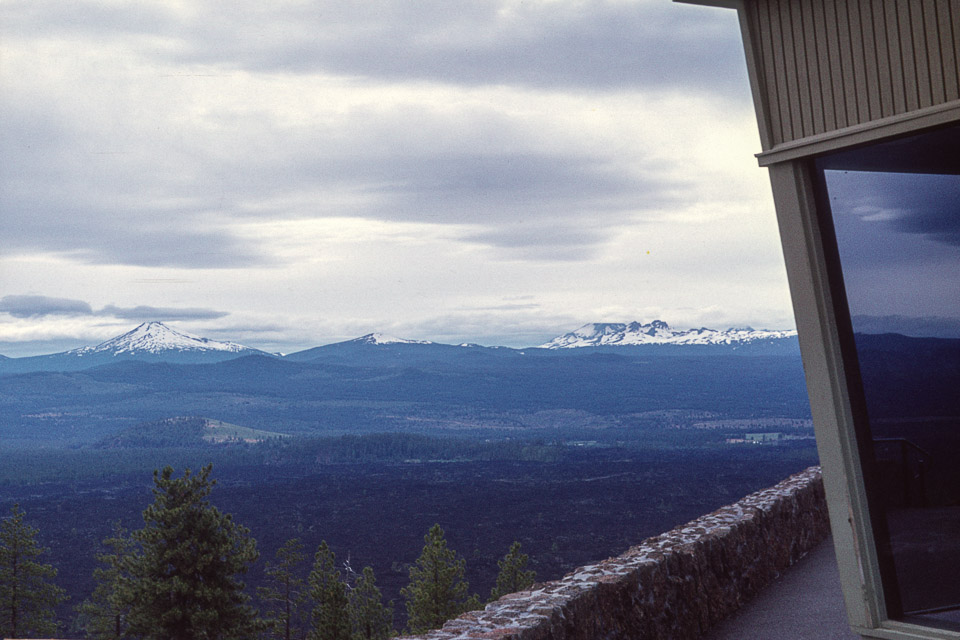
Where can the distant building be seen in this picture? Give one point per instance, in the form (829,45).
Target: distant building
(763,438)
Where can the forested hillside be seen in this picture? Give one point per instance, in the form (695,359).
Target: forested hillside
(567,505)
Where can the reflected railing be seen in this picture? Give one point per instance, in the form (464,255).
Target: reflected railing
(903,467)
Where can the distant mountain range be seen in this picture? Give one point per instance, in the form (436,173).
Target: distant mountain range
(156,342)
(658,333)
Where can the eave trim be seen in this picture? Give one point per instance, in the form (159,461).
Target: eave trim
(862,133)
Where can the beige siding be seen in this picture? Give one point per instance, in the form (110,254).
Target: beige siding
(829,64)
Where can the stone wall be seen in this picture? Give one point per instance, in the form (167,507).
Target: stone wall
(673,586)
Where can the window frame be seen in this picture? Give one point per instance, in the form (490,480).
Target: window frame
(836,394)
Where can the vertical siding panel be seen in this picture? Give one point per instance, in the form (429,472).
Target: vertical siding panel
(836,70)
(949,41)
(824,65)
(898,84)
(856,55)
(746,18)
(783,92)
(846,63)
(805,95)
(924,88)
(955,23)
(817,98)
(884,73)
(823,62)
(870,61)
(790,68)
(910,83)
(934,59)
(761,17)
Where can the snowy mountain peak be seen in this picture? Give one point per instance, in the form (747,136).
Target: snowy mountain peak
(156,337)
(600,334)
(382,338)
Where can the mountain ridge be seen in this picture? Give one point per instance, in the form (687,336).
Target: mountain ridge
(657,332)
(156,342)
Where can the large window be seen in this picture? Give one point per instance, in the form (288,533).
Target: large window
(894,211)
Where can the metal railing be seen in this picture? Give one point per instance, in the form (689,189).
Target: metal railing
(912,477)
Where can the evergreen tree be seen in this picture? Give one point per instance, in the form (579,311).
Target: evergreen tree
(513,575)
(104,614)
(330,617)
(27,597)
(371,620)
(437,591)
(286,593)
(184,581)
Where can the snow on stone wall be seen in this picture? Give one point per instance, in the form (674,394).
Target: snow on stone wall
(673,586)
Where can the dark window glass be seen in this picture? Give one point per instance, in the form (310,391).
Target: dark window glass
(895,212)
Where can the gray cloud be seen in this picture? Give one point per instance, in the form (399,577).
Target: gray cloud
(481,186)
(36,306)
(424,162)
(177,206)
(108,201)
(120,182)
(884,218)
(544,241)
(505,307)
(596,44)
(146,313)
(88,234)
(32,306)
(923,204)
(931,206)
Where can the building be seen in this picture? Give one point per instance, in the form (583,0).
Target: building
(858,106)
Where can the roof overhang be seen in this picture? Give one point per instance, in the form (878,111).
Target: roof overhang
(726,4)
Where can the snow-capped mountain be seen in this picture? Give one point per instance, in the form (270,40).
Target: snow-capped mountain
(373,348)
(149,342)
(382,338)
(156,338)
(603,334)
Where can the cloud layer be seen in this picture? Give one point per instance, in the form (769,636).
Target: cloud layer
(35,306)
(583,45)
(326,168)
(40,306)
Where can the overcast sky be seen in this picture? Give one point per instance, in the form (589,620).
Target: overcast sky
(292,173)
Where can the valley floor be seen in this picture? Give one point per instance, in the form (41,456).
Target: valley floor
(589,504)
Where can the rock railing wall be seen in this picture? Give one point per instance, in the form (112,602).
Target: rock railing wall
(673,586)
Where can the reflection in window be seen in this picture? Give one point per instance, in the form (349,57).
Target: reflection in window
(896,215)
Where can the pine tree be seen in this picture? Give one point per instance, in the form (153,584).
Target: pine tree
(27,597)
(286,594)
(437,591)
(513,575)
(104,614)
(370,619)
(330,617)
(185,583)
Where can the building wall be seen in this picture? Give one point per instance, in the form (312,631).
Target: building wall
(823,65)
